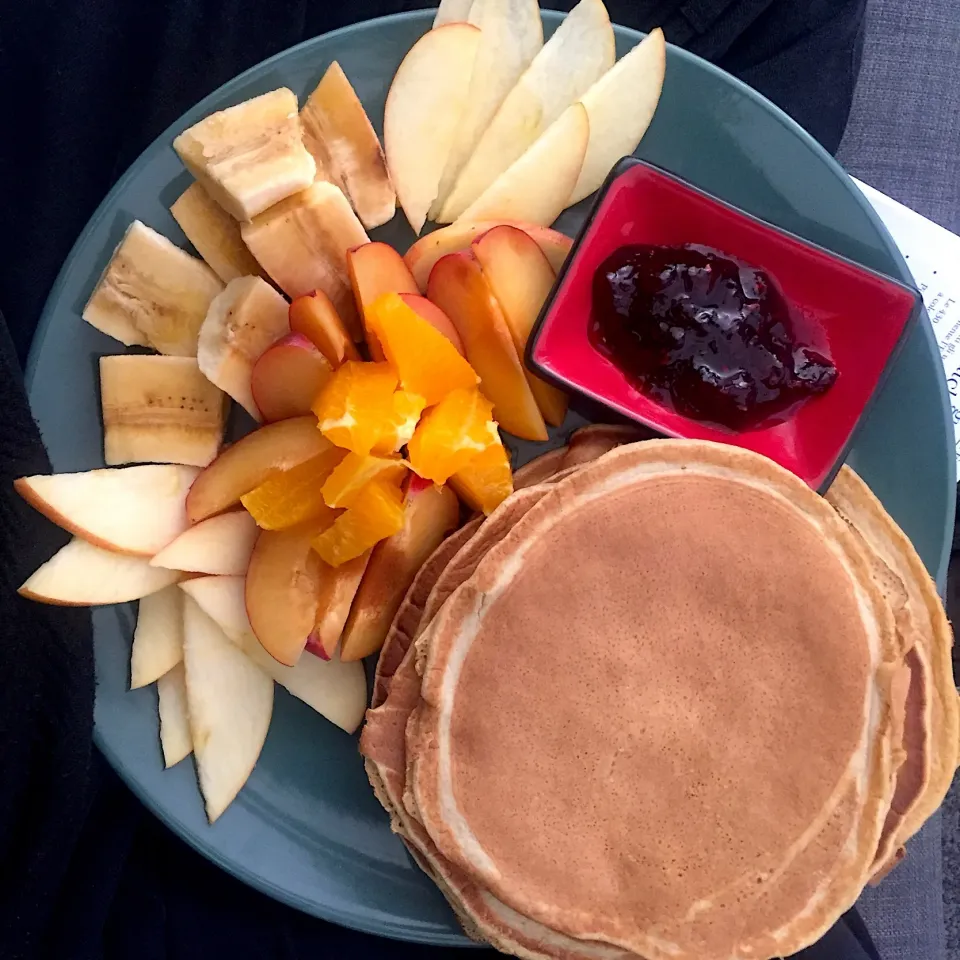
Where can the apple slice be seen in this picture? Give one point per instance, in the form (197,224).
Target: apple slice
(431,512)
(241,323)
(82,575)
(283,591)
(175,739)
(537,186)
(421,257)
(337,592)
(288,377)
(135,510)
(511,35)
(580,51)
(521,279)
(637,80)
(435,317)
(453,11)
(158,637)
(375,269)
(458,287)
(336,690)
(337,131)
(217,545)
(302,243)
(245,465)
(229,702)
(420,118)
(314,316)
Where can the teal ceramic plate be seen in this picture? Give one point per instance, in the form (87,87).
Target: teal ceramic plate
(306,829)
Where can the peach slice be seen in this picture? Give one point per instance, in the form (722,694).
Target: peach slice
(291,497)
(435,317)
(218,545)
(521,279)
(426,361)
(376,269)
(431,512)
(287,378)
(283,590)
(314,316)
(458,287)
(354,472)
(421,257)
(245,465)
(136,510)
(339,587)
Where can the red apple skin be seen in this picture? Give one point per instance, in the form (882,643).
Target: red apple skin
(314,316)
(315,647)
(247,463)
(435,317)
(282,591)
(431,513)
(287,378)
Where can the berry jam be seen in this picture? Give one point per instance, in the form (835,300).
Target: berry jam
(704,335)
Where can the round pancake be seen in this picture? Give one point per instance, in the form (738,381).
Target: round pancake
(539,469)
(383,745)
(932,728)
(603,646)
(593,441)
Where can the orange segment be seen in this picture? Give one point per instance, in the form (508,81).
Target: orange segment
(294,496)
(426,361)
(398,429)
(452,434)
(486,481)
(375,513)
(354,472)
(353,407)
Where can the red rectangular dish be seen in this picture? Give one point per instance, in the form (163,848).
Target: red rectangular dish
(860,316)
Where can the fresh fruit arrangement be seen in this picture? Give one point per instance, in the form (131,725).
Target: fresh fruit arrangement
(379,382)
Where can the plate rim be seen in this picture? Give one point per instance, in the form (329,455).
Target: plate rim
(353,919)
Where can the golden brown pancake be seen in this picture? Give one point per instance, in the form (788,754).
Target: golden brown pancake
(384,748)
(539,469)
(593,441)
(931,736)
(603,698)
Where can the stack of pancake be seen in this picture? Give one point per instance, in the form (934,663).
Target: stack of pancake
(665,702)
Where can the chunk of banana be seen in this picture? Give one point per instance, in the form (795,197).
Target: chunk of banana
(249,156)
(241,323)
(153,294)
(214,234)
(302,244)
(159,410)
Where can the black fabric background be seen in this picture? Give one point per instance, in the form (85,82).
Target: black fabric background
(85,873)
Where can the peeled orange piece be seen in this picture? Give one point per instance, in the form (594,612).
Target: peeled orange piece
(397,430)
(354,472)
(426,361)
(452,434)
(486,481)
(356,404)
(293,496)
(375,513)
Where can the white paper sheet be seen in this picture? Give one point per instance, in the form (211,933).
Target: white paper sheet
(933,255)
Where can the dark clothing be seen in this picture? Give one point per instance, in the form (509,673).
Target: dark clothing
(86,873)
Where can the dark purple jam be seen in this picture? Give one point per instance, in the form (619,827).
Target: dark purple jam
(704,335)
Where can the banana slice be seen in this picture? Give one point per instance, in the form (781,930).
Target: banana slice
(152,294)
(159,410)
(302,244)
(249,156)
(241,323)
(214,234)
(338,132)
